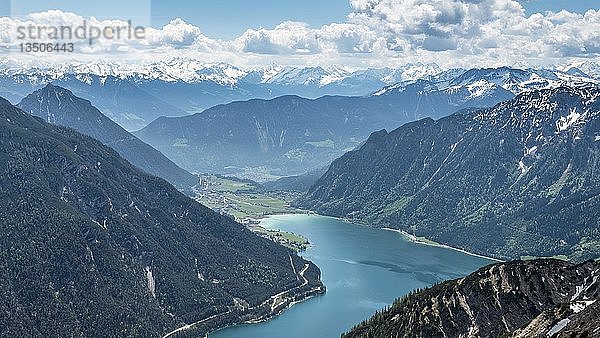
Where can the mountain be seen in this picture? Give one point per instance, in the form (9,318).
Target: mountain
(121,100)
(541,298)
(518,179)
(314,82)
(480,82)
(124,101)
(194,97)
(92,246)
(299,183)
(589,68)
(59,106)
(289,135)
(134,94)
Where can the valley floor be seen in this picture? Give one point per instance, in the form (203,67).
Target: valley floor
(247,203)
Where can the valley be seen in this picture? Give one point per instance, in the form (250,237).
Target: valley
(295,201)
(247,202)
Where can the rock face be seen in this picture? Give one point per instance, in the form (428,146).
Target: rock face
(540,298)
(93,246)
(518,179)
(59,106)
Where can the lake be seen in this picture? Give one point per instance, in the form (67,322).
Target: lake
(364,270)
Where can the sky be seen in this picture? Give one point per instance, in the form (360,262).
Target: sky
(328,32)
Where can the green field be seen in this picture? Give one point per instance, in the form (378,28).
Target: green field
(248,202)
(288,239)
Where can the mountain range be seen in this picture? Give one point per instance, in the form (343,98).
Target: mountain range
(541,298)
(133,95)
(97,241)
(92,246)
(518,179)
(290,135)
(59,106)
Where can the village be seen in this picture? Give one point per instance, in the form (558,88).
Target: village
(247,203)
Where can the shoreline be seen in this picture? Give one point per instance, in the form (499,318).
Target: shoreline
(314,293)
(406,235)
(429,242)
(263,320)
(287,298)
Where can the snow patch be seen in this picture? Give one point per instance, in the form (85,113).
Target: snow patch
(151,281)
(102,225)
(558,327)
(578,292)
(581,305)
(480,88)
(200,276)
(566,122)
(597,138)
(523,167)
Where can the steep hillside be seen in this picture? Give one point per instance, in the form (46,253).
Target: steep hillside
(542,298)
(519,179)
(59,106)
(299,183)
(92,246)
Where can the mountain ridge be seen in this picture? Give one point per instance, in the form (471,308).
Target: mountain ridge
(517,175)
(541,298)
(323,128)
(92,245)
(182,86)
(60,106)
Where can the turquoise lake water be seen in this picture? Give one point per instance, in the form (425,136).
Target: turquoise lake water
(364,270)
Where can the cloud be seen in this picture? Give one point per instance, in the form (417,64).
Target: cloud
(349,38)
(179,34)
(377,32)
(296,38)
(287,38)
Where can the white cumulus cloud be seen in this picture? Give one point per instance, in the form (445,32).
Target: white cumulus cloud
(376,32)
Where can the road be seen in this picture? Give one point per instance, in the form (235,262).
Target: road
(272,299)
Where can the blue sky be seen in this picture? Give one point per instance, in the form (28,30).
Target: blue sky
(230,18)
(227,19)
(579,6)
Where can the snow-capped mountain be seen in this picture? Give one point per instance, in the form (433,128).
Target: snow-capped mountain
(482,82)
(190,71)
(312,82)
(173,70)
(587,68)
(134,94)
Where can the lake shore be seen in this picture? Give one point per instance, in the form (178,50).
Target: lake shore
(354,257)
(429,242)
(270,308)
(405,234)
